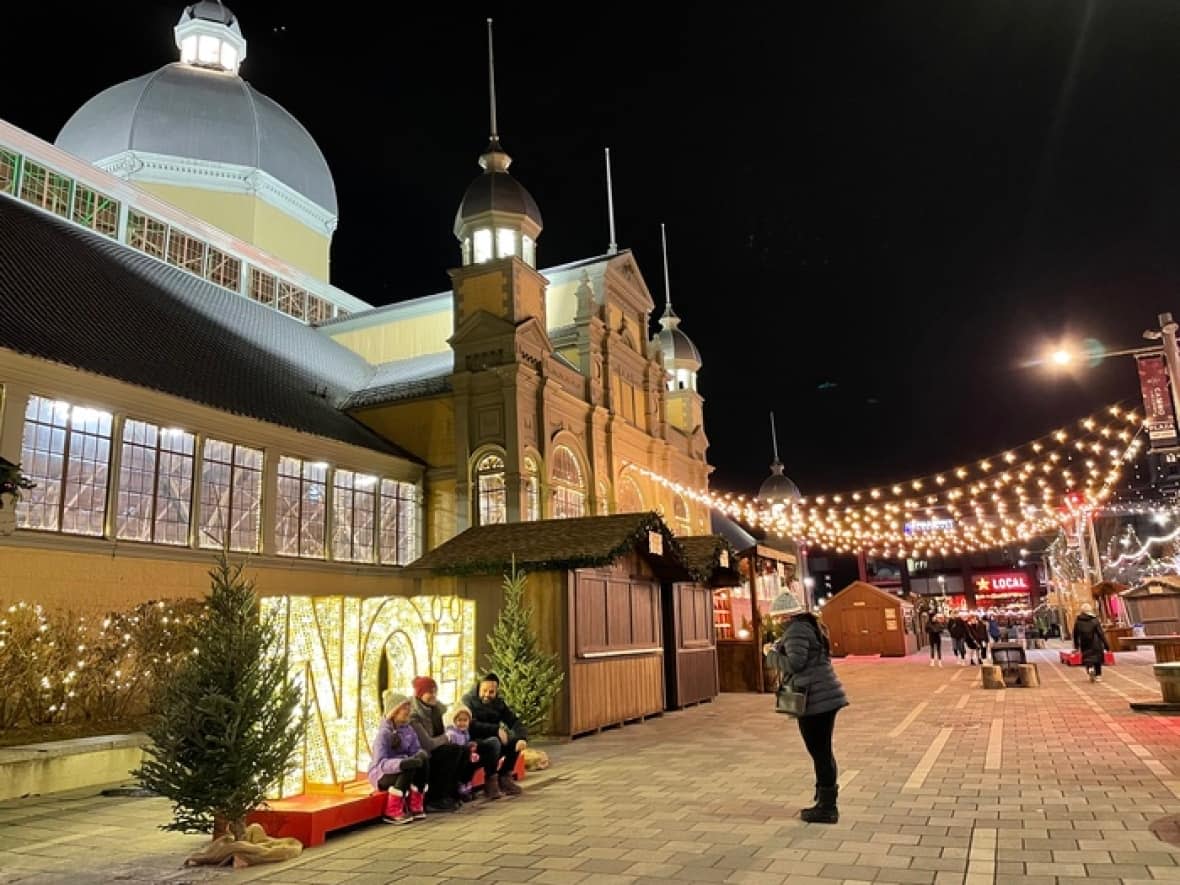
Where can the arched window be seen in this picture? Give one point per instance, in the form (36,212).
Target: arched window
(569,489)
(603,500)
(680,515)
(491,494)
(630,498)
(532,491)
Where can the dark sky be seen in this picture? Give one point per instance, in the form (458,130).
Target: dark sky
(876,211)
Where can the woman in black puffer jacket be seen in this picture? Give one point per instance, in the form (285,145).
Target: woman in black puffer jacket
(804,655)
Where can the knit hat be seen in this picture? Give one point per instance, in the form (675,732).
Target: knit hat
(423,685)
(454,713)
(391,700)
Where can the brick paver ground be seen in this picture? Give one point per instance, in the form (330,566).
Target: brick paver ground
(943,782)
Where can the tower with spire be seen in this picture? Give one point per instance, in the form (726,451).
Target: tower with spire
(682,361)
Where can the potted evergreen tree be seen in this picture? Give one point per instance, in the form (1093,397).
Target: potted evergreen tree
(12,484)
(229,720)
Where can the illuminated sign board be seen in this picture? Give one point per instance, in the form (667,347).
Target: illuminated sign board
(926,526)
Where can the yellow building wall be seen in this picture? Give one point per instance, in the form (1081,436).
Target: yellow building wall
(425,427)
(97,583)
(255,221)
(400,339)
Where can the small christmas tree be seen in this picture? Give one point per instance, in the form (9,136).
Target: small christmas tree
(227,725)
(529,678)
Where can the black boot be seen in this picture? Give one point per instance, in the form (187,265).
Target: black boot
(824,811)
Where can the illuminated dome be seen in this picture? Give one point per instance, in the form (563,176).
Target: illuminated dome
(777,486)
(197,120)
(497,216)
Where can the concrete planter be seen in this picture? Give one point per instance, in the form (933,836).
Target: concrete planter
(56,766)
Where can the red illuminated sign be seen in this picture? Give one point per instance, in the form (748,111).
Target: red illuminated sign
(1002,589)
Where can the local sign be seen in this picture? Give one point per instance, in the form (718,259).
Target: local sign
(1000,583)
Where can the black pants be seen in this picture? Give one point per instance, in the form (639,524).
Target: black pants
(817,737)
(401,781)
(444,771)
(1097,667)
(490,750)
(936,646)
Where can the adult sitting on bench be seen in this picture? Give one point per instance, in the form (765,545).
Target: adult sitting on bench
(426,717)
(499,735)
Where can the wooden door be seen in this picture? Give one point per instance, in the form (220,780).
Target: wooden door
(855,622)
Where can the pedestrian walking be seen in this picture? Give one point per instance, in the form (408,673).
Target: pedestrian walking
(934,628)
(803,657)
(957,628)
(1089,639)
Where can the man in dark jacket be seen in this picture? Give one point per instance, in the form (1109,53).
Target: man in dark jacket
(957,627)
(499,734)
(1089,639)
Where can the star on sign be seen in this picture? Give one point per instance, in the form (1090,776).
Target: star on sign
(983,584)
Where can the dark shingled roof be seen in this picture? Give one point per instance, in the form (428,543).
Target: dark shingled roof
(80,299)
(702,556)
(555,544)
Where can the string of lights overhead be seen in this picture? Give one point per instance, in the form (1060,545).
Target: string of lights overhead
(1013,496)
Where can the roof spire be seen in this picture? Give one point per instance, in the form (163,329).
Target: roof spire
(669,319)
(610,208)
(776,466)
(495,136)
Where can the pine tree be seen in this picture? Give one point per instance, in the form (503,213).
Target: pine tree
(529,678)
(228,724)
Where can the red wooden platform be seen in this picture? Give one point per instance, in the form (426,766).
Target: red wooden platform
(311,816)
(1074,658)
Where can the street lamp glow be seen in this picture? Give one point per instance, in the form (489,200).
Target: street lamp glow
(1061,357)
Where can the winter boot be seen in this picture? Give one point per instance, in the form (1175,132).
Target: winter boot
(508,785)
(417,804)
(465,791)
(491,786)
(824,811)
(396,809)
(932,662)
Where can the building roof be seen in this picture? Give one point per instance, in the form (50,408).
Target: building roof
(196,114)
(702,556)
(77,298)
(423,375)
(739,539)
(556,544)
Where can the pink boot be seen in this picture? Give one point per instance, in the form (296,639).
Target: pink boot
(417,804)
(395,809)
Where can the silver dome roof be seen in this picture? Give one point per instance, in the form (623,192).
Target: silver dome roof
(677,346)
(185,111)
(777,486)
(496,191)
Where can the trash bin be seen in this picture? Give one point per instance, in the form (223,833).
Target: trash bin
(1008,656)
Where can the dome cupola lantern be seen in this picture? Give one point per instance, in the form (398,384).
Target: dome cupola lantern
(682,360)
(497,218)
(208,36)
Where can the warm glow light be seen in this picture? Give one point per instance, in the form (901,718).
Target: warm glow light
(1061,357)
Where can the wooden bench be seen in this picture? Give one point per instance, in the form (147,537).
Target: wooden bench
(311,816)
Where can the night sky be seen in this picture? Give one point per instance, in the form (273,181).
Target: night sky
(877,212)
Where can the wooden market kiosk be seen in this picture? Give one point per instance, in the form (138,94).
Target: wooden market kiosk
(614,597)
(865,620)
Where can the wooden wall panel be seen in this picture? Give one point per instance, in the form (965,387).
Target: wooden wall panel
(608,691)
(696,671)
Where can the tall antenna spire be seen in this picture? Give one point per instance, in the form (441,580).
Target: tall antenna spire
(668,312)
(776,466)
(492,83)
(610,210)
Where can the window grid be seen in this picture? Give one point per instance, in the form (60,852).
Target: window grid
(146,234)
(46,188)
(9,168)
(399,523)
(354,513)
(569,495)
(231,497)
(292,300)
(155,484)
(96,211)
(186,252)
(300,512)
(318,310)
(262,287)
(223,270)
(532,491)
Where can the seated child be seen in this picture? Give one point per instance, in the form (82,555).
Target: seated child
(399,764)
(458,721)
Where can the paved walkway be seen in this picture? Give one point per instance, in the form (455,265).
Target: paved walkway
(943,782)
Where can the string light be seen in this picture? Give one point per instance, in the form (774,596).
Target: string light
(1040,486)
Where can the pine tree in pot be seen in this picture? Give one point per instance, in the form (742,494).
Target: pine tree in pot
(229,721)
(12,483)
(529,678)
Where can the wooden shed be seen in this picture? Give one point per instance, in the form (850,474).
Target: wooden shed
(599,587)
(1156,605)
(864,620)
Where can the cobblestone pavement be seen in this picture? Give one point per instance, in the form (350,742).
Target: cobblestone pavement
(942,782)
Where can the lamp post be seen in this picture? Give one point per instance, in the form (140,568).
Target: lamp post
(942,588)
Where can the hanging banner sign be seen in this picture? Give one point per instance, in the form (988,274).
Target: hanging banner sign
(926,526)
(1160,418)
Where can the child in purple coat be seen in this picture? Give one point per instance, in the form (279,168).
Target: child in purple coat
(399,765)
(458,721)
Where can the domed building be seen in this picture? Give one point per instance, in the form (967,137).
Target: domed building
(197,135)
(682,362)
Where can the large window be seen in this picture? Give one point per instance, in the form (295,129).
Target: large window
(292,300)
(483,246)
(301,508)
(262,287)
(222,269)
(66,451)
(682,523)
(400,535)
(231,497)
(490,491)
(9,163)
(146,233)
(569,489)
(354,512)
(155,484)
(532,491)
